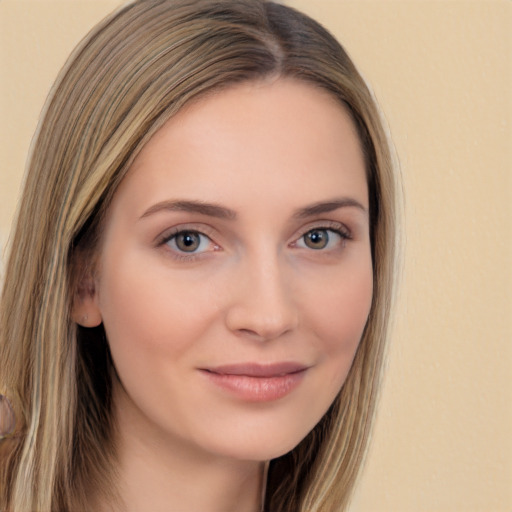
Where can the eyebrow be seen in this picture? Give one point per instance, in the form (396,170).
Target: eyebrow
(208,209)
(221,212)
(329,206)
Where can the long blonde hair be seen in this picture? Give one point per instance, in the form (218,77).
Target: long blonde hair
(133,72)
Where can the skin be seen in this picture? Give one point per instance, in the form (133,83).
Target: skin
(252,291)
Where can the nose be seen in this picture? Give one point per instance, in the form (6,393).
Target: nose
(262,307)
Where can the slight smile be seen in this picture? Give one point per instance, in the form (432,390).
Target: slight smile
(255,382)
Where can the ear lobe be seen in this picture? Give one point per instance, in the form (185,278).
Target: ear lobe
(85,311)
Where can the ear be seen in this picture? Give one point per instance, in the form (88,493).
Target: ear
(86,311)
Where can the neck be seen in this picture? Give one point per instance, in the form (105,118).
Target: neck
(160,473)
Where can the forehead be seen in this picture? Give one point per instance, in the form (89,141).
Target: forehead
(259,139)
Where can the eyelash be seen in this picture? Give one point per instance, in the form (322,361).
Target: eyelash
(333,227)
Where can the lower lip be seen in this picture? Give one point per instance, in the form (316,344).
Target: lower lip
(257,389)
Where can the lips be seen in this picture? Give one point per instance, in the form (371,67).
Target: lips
(258,370)
(256,382)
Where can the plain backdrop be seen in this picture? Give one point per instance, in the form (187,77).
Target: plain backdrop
(442,73)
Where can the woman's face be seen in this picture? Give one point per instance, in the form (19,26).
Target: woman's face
(235,274)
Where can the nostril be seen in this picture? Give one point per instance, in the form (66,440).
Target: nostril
(263,331)
(248,332)
(252,334)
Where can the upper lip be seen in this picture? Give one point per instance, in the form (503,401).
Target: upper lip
(257,369)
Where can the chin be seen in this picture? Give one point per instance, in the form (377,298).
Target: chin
(258,444)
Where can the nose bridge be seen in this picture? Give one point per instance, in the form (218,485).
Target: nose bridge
(263,304)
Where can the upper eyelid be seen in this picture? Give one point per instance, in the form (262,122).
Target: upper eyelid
(327,225)
(175,234)
(169,233)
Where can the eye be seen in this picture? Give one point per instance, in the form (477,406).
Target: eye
(322,238)
(189,242)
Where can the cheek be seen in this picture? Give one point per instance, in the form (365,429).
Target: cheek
(338,310)
(148,314)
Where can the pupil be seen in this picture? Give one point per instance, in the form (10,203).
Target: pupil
(188,240)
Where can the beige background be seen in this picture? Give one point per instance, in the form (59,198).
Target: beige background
(442,72)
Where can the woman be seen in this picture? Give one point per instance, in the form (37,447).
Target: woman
(198,289)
